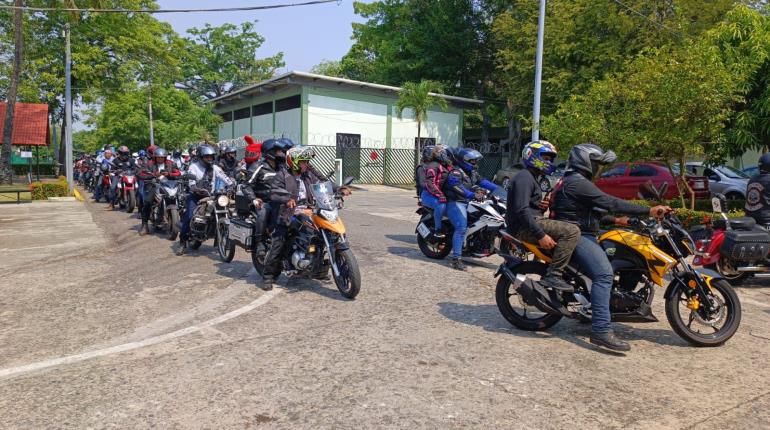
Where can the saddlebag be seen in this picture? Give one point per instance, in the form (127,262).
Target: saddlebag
(241,231)
(745,246)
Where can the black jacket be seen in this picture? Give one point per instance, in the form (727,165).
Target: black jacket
(230,167)
(285,188)
(524,197)
(758,198)
(259,178)
(120,165)
(576,199)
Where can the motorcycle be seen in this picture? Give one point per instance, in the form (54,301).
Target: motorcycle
(485,220)
(126,190)
(736,248)
(241,227)
(105,182)
(165,210)
(317,243)
(211,219)
(641,258)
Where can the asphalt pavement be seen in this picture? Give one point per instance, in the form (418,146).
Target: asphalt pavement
(102,328)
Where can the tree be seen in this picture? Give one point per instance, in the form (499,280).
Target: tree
(419,97)
(6,170)
(668,104)
(219,59)
(328,68)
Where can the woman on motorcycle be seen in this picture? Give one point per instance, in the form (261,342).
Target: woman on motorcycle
(434,177)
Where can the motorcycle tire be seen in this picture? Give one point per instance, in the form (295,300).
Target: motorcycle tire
(173,224)
(503,296)
(682,328)
(349,279)
(131,202)
(225,247)
(258,259)
(438,251)
(195,244)
(731,277)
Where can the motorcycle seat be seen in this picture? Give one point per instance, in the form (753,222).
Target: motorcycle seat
(740,223)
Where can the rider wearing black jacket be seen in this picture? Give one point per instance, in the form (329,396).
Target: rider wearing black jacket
(758,193)
(227,162)
(121,163)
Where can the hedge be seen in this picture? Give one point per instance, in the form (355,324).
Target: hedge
(44,190)
(691,218)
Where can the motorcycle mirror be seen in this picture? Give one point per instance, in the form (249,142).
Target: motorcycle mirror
(719,203)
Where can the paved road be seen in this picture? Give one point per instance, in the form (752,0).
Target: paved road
(116,331)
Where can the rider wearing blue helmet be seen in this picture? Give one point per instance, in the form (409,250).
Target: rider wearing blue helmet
(524,218)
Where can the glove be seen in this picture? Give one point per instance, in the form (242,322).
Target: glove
(479,195)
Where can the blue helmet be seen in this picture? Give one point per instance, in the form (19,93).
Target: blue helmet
(466,158)
(271,145)
(142,153)
(764,163)
(533,154)
(287,142)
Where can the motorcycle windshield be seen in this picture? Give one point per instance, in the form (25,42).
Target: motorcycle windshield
(501,194)
(323,194)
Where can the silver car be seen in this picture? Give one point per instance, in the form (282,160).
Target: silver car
(722,179)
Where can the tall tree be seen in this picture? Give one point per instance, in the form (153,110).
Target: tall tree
(219,59)
(328,68)
(6,170)
(418,97)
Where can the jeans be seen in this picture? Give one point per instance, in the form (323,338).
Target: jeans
(593,262)
(439,208)
(458,216)
(113,189)
(98,187)
(184,223)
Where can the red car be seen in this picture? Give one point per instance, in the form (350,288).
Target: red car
(624,179)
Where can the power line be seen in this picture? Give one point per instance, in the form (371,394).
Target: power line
(657,24)
(155,11)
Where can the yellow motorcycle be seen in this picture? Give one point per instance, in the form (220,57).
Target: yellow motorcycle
(701,306)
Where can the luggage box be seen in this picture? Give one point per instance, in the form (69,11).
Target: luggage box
(241,232)
(745,246)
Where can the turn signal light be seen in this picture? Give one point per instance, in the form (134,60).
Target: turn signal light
(692,284)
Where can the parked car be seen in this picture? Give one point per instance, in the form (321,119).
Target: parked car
(751,171)
(722,179)
(503,176)
(624,179)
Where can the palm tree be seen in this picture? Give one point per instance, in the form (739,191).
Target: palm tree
(419,96)
(6,169)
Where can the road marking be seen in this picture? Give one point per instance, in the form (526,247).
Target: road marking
(70,359)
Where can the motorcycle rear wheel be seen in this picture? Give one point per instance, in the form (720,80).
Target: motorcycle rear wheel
(349,279)
(525,320)
(724,269)
(225,247)
(173,224)
(195,244)
(436,251)
(730,313)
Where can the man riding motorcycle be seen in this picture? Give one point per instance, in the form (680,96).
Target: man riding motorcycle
(203,176)
(524,218)
(460,182)
(576,200)
(123,162)
(177,159)
(227,161)
(758,193)
(160,165)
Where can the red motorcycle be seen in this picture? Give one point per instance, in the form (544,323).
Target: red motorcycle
(126,190)
(736,248)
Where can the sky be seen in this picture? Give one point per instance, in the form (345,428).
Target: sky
(305,34)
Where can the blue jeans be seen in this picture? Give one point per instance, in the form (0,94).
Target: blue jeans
(113,189)
(98,187)
(184,223)
(439,208)
(593,262)
(458,216)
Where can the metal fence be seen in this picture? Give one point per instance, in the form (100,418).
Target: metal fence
(369,165)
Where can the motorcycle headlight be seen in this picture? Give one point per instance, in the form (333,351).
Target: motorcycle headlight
(329,215)
(223,201)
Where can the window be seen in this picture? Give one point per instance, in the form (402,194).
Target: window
(615,171)
(732,172)
(262,109)
(226,116)
(643,170)
(712,175)
(242,113)
(292,102)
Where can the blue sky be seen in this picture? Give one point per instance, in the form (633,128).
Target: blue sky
(305,34)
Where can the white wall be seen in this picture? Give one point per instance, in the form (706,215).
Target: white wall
(328,116)
(443,126)
(262,126)
(242,127)
(288,124)
(226,130)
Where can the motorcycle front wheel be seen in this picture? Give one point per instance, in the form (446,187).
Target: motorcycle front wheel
(225,247)
(512,305)
(712,329)
(349,278)
(173,224)
(131,201)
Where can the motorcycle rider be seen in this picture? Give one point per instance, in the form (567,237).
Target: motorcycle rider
(177,159)
(228,162)
(122,163)
(524,218)
(758,193)
(460,182)
(575,200)
(252,153)
(98,175)
(203,176)
(434,175)
(160,165)
(419,172)
(106,168)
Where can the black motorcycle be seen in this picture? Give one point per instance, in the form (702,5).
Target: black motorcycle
(166,204)
(211,220)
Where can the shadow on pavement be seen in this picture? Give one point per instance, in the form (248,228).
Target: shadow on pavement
(488,317)
(406,238)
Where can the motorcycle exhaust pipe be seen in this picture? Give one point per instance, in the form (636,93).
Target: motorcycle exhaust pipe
(760,269)
(533,293)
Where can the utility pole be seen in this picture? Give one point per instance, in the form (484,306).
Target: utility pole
(538,73)
(68,108)
(149,108)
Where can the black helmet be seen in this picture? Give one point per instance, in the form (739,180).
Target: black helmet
(427,153)
(764,163)
(587,158)
(229,150)
(160,152)
(205,150)
(177,153)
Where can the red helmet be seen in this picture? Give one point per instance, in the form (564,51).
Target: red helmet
(151,149)
(253,150)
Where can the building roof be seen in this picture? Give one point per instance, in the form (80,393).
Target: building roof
(30,124)
(304,78)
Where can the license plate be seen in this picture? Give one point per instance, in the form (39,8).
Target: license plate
(423,230)
(698,184)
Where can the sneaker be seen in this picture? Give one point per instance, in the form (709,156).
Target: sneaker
(267,282)
(457,264)
(182,248)
(144,229)
(556,283)
(610,341)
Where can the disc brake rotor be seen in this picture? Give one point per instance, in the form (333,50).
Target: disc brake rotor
(715,317)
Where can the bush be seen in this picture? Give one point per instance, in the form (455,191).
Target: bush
(44,190)
(700,204)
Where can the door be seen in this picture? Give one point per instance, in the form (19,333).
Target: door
(637,176)
(610,180)
(349,151)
